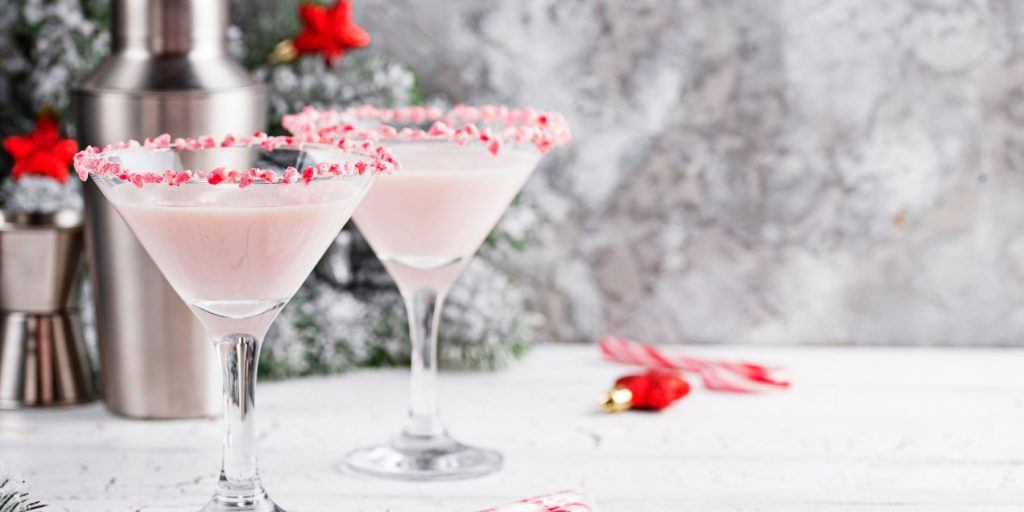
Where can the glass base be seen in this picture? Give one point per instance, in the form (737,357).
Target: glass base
(255,502)
(418,458)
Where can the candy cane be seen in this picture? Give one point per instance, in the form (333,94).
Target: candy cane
(716,375)
(564,501)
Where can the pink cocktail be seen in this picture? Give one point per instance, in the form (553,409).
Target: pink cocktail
(426,224)
(460,171)
(236,226)
(232,252)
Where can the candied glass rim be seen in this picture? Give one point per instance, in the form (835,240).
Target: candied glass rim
(495,126)
(97,161)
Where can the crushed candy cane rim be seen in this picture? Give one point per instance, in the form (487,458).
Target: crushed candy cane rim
(96,161)
(494,126)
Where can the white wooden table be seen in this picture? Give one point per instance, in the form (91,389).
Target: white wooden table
(862,429)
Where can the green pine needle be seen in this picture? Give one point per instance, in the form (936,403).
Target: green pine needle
(14,500)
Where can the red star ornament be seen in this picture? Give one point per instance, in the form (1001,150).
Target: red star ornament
(41,152)
(329,31)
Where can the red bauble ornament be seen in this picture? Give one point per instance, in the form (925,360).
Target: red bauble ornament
(41,152)
(652,391)
(329,31)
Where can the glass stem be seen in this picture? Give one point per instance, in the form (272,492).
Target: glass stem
(239,476)
(424,309)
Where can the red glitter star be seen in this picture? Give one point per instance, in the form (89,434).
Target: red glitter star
(41,152)
(329,31)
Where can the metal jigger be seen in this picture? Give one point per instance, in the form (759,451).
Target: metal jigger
(42,353)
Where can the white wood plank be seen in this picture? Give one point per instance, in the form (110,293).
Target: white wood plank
(862,429)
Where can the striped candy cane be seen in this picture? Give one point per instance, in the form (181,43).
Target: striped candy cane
(564,501)
(716,375)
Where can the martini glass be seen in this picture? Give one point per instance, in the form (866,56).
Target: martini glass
(425,224)
(236,235)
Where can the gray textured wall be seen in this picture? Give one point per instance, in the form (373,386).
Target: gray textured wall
(791,171)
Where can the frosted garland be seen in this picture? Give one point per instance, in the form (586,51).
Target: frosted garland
(364,77)
(66,45)
(40,194)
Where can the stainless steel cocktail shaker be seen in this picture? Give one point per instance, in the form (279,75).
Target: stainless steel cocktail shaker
(168,71)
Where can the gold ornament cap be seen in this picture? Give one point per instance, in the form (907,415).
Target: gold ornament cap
(284,51)
(617,400)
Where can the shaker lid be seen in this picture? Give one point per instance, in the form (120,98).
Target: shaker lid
(168,45)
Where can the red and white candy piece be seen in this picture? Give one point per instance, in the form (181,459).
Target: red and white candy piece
(564,501)
(735,377)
